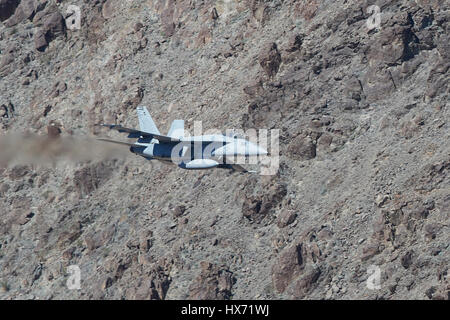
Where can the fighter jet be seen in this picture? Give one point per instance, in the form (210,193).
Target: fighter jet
(191,153)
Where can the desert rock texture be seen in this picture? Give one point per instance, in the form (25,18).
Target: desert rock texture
(359,206)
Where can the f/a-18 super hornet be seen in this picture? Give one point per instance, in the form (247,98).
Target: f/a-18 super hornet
(192,153)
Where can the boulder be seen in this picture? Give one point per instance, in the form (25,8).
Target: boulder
(26,10)
(52,25)
(285,218)
(213,283)
(270,59)
(302,148)
(7,8)
(289,264)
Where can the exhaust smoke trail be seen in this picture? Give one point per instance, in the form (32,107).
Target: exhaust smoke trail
(21,149)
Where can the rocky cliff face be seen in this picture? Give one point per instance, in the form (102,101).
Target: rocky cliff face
(363,184)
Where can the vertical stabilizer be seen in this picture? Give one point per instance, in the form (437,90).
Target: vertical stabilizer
(146,123)
(177,129)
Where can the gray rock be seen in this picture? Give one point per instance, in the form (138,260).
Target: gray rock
(363,159)
(270,59)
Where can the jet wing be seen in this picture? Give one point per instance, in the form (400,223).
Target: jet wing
(136,133)
(120,142)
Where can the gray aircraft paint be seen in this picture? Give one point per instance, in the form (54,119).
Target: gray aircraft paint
(191,153)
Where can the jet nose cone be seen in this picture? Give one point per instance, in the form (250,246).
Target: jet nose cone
(262,151)
(257,150)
